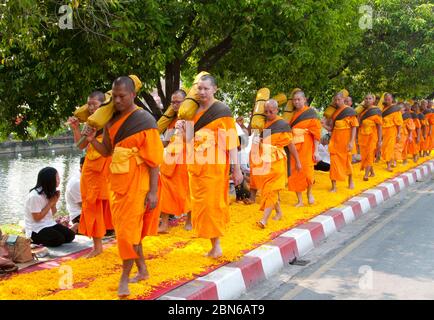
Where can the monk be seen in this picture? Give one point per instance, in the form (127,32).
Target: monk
(175,195)
(370,135)
(422,124)
(426,146)
(132,138)
(430,110)
(392,122)
(414,146)
(306,131)
(343,127)
(210,153)
(95,218)
(407,134)
(271,160)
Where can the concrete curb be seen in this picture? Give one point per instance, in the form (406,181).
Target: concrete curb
(234,279)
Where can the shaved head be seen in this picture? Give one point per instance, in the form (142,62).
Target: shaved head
(271,108)
(272,103)
(98,95)
(125,81)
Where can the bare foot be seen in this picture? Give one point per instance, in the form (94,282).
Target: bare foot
(351,186)
(333,190)
(299,204)
(260,224)
(188,226)
(311,199)
(278,216)
(372,174)
(210,253)
(123,290)
(216,254)
(389,169)
(365,178)
(139,277)
(93,253)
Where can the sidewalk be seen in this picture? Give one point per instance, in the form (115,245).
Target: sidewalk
(234,279)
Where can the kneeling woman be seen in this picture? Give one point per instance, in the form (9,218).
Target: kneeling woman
(40,208)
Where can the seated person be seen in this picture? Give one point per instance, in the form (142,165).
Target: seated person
(40,207)
(323,150)
(73,199)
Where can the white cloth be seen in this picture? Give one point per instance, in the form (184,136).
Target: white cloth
(323,151)
(35,203)
(73,197)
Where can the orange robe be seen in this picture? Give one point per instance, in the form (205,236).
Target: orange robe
(340,157)
(431,123)
(426,143)
(368,138)
(209,175)
(175,194)
(129,187)
(95,216)
(271,165)
(413,147)
(390,132)
(407,131)
(298,181)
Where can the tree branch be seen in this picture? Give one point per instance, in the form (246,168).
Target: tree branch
(212,55)
(189,51)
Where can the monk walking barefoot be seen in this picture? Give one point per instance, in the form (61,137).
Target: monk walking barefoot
(343,124)
(306,131)
(132,139)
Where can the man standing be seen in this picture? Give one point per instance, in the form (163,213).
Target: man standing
(343,127)
(133,139)
(273,165)
(95,218)
(175,195)
(392,122)
(306,132)
(215,145)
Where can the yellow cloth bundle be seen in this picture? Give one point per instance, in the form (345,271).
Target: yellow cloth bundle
(280,98)
(258,118)
(188,108)
(328,112)
(288,113)
(166,119)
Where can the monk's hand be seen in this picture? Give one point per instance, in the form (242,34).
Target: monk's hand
(398,138)
(73,122)
(89,132)
(350,146)
(316,157)
(237,176)
(410,139)
(151,200)
(298,165)
(180,127)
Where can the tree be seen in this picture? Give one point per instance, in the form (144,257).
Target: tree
(397,54)
(247,44)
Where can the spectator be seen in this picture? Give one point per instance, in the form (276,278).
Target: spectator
(323,151)
(73,198)
(40,208)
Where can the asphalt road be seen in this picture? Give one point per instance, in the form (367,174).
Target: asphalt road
(387,254)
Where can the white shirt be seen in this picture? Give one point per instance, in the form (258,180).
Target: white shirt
(323,151)
(73,197)
(35,203)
